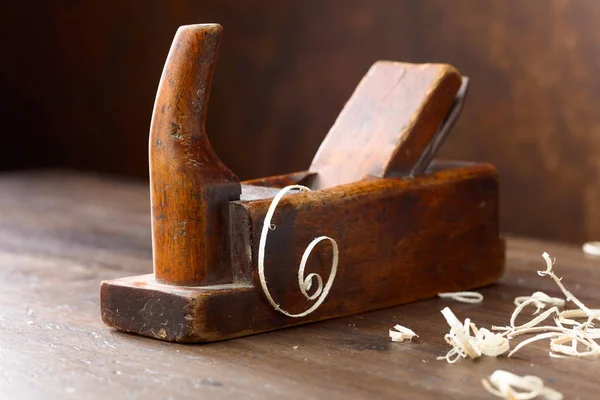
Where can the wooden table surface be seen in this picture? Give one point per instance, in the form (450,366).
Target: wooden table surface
(62,233)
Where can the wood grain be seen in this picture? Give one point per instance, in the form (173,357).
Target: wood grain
(190,186)
(399,241)
(61,234)
(206,246)
(387,123)
(202,239)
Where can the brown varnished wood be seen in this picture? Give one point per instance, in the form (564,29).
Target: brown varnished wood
(401,238)
(387,123)
(399,241)
(63,233)
(394,237)
(190,186)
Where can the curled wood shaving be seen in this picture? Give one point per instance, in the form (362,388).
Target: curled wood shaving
(459,337)
(542,298)
(541,336)
(590,347)
(305,283)
(510,334)
(491,344)
(401,334)
(466,345)
(543,316)
(548,272)
(510,386)
(463,297)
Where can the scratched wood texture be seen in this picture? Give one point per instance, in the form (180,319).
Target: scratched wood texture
(399,241)
(61,234)
(388,122)
(189,183)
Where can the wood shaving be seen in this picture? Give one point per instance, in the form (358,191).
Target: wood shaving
(542,298)
(542,317)
(491,344)
(401,334)
(589,350)
(592,248)
(304,282)
(463,297)
(482,342)
(509,386)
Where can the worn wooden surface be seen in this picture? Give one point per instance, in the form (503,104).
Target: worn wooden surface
(399,241)
(389,229)
(60,234)
(386,125)
(190,186)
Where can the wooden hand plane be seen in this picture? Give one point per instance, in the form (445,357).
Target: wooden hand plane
(401,228)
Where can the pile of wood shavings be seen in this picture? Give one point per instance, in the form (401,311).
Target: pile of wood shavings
(573,332)
(505,384)
(481,342)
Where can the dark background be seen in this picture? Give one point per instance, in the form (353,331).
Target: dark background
(78,79)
